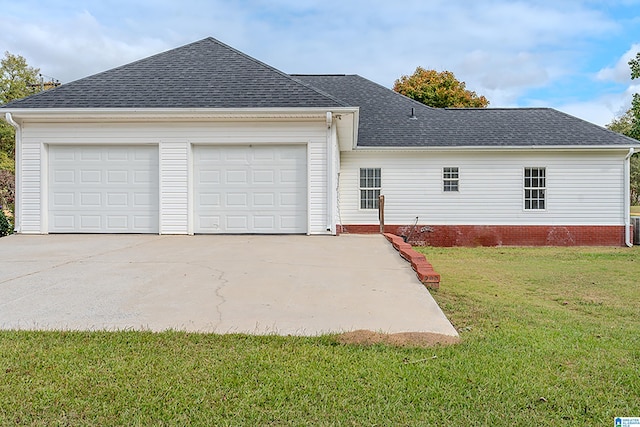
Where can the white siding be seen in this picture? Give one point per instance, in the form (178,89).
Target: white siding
(175,140)
(174,182)
(31,206)
(583,188)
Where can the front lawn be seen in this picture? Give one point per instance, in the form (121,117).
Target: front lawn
(550,337)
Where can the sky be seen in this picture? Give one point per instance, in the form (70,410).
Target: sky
(571,55)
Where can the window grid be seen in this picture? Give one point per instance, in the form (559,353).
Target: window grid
(450,179)
(535,188)
(370,185)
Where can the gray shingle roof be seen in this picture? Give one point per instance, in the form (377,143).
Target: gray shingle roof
(385,121)
(204,74)
(210,74)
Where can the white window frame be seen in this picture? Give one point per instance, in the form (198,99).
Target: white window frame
(534,194)
(448,181)
(367,187)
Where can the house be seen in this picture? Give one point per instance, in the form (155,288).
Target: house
(204,139)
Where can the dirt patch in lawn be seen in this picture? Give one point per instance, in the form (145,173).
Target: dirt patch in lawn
(401,339)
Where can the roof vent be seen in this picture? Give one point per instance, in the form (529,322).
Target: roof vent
(413,114)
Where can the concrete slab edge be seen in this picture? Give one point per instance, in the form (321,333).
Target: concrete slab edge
(423,268)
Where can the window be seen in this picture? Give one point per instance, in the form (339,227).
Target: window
(450,179)
(370,184)
(535,187)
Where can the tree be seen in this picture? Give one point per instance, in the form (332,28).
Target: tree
(634,132)
(629,124)
(622,124)
(438,90)
(17,80)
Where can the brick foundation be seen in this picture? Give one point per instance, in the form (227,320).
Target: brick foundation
(499,235)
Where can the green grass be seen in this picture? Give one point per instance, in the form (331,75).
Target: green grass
(635,210)
(550,337)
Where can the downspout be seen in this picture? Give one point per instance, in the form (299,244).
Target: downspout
(17,214)
(330,172)
(627,199)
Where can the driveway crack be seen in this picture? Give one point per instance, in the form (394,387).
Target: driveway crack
(223,282)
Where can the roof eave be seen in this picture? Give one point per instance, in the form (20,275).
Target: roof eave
(134,114)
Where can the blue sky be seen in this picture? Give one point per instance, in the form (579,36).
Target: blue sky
(571,54)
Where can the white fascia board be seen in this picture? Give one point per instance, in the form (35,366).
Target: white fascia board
(134,114)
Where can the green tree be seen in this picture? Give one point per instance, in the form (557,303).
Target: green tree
(622,124)
(629,124)
(634,132)
(438,90)
(17,80)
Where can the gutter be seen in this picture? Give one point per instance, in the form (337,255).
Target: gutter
(17,217)
(187,114)
(627,199)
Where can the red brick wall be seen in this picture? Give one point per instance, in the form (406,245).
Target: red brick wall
(499,235)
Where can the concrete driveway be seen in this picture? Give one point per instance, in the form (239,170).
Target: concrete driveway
(298,285)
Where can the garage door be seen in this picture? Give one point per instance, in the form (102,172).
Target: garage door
(100,189)
(250,189)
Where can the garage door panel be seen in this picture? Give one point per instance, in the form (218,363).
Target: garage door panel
(90,200)
(88,176)
(237,223)
(265,223)
(102,189)
(117,221)
(89,154)
(209,177)
(291,199)
(237,200)
(210,200)
(236,177)
(117,199)
(263,200)
(64,176)
(236,154)
(63,199)
(255,198)
(290,222)
(64,222)
(264,177)
(144,200)
(117,177)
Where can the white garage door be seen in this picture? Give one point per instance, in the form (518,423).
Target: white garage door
(103,189)
(250,189)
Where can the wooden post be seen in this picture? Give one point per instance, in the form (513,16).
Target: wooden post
(381,213)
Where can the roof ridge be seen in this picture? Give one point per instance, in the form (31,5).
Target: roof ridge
(269,67)
(321,92)
(417,103)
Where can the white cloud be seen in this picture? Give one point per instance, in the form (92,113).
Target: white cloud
(602,109)
(500,48)
(86,50)
(620,72)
